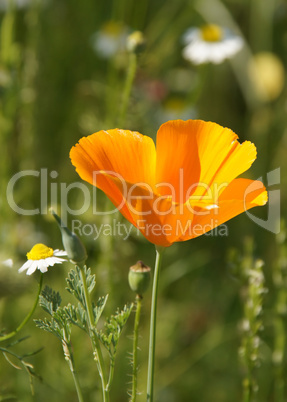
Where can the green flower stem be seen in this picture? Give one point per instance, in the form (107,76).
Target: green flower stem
(77,385)
(95,342)
(111,373)
(70,359)
(150,377)
(132,67)
(246,390)
(248,382)
(135,347)
(107,251)
(28,316)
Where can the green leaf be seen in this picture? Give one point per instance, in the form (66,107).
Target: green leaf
(9,354)
(91,279)
(113,329)
(76,315)
(99,308)
(75,283)
(50,300)
(50,326)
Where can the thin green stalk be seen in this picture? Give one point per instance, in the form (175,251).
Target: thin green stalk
(77,385)
(132,67)
(135,347)
(150,377)
(95,342)
(246,390)
(70,359)
(111,373)
(28,316)
(107,254)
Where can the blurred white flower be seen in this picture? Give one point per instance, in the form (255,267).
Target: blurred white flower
(110,39)
(7,263)
(41,257)
(6,4)
(210,43)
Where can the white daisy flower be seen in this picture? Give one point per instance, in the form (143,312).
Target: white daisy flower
(210,43)
(41,257)
(110,39)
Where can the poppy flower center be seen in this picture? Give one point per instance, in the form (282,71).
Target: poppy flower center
(211,33)
(40,252)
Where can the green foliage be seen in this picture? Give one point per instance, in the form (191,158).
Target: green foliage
(75,287)
(250,272)
(50,300)
(11,357)
(113,329)
(63,317)
(75,284)
(76,315)
(99,308)
(59,324)
(85,315)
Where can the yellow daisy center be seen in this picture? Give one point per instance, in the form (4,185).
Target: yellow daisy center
(211,33)
(40,252)
(112,28)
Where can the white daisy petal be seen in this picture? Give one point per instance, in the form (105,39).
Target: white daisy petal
(32,268)
(43,268)
(59,252)
(51,261)
(25,266)
(59,260)
(43,263)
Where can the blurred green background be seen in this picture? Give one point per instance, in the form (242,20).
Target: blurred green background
(55,87)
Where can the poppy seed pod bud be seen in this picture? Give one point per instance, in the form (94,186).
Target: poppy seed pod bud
(74,247)
(139,277)
(136,42)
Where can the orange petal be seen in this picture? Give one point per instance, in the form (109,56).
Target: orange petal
(222,157)
(127,155)
(177,162)
(239,196)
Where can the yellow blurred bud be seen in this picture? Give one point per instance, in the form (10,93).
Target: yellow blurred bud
(136,42)
(267,73)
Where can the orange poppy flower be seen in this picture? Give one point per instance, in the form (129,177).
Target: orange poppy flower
(179,190)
